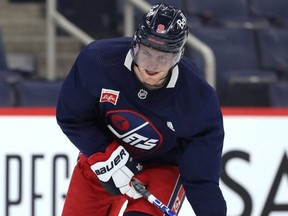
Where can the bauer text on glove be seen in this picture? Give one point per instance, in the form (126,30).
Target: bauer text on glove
(115,169)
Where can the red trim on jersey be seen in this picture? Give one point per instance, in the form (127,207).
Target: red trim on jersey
(27,111)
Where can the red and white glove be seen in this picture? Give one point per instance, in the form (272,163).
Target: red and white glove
(115,169)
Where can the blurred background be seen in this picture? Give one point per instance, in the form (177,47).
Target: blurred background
(240,45)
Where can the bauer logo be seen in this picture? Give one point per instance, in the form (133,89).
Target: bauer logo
(108,95)
(108,166)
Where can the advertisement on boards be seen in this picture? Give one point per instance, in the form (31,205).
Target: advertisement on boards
(37,160)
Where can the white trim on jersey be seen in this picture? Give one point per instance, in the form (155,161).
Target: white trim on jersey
(174,77)
(128,60)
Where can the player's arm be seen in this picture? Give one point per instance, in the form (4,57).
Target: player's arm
(76,109)
(113,166)
(200,163)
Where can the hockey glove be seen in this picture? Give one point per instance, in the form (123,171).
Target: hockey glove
(115,169)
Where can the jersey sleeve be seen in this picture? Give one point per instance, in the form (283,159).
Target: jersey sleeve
(76,111)
(200,162)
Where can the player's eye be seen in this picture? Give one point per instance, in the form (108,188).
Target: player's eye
(163,58)
(146,53)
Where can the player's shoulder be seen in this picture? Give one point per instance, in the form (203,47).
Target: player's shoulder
(192,79)
(99,60)
(106,51)
(196,93)
(114,43)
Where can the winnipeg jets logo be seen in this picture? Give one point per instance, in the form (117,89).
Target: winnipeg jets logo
(135,139)
(135,132)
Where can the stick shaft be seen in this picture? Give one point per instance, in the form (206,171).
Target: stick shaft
(151,198)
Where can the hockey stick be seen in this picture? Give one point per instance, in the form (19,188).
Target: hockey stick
(151,198)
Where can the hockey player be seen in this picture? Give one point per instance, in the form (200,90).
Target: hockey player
(137,109)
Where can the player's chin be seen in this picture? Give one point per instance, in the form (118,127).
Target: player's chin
(151,82)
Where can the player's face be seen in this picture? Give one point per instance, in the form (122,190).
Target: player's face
(153,65)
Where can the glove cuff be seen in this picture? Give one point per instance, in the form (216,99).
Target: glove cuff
(103,156)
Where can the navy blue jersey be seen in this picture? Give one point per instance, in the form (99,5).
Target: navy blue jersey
(181,123)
